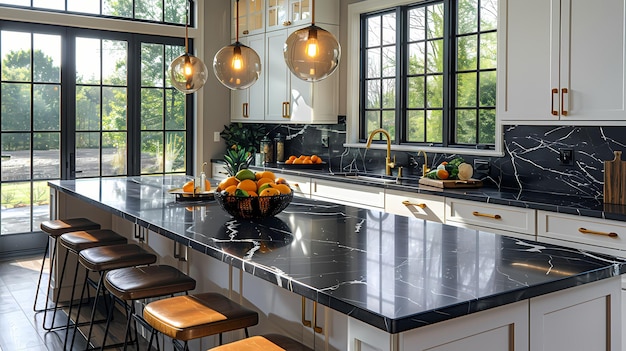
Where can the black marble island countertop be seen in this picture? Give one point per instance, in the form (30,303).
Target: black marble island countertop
(392,272)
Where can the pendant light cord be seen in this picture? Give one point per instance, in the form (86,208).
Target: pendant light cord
(237,22)
(312,12)
(186,26)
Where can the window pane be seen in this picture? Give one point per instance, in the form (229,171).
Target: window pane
(114,62)
(152,65)
(16,156)
(87,108)
(113,153)
(15,56)
(466,126)
(389,28)
(417,24)
(389,93)
(488,14)
(47,58)
(487,127)
(114,108)
(372,119)
(415,98)
(88,59)
(87,155)
(466,90)
(488,50)
(488,88)
(16,208)
(15,106)
(151,109)
(416,59)
(175,11)
(467,53)
(175,152)
(84,6)
(434,91)
(174,109)
(373,31)
(467,16)
(46,107)
(373,94)
(151,152)
(415,130)
(389,123)
(171,53)
(41,203)
(434,23)
(434,56)
(50,4)
(117,8)
(434,126)
(373,63)
(16,2)
(151,10)
(389,61)
(46,155)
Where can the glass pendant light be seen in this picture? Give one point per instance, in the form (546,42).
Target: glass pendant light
(312,53)
(188,73)
(237,66)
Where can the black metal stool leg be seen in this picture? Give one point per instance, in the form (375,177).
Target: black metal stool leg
(56,300)
(43,263)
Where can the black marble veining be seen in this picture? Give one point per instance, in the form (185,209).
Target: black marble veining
(393,272)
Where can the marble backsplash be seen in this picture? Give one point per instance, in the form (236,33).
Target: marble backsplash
(531,161)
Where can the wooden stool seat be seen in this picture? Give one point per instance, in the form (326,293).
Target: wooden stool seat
(58,227)
(77,241)
(196,316)
(270,342)
(106,258)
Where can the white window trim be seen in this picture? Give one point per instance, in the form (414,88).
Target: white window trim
(352,106)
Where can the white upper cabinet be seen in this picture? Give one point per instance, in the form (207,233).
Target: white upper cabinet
(251,17)
(278,96)
(561,61)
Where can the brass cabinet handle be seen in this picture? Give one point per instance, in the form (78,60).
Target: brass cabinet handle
(316,328)
(304,321)
(587,231)
(409,203)
(245,110)
(563,110)
(554,112)
(488,215)
(287,23)
(286,109)
(246,32)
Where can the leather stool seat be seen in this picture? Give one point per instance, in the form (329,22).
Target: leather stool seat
(270,342)
(57,227)
(134,283)
(195,316)
(106,258)
(77,241)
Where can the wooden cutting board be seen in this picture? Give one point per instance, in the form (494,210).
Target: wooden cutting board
(439,183)
(615,180)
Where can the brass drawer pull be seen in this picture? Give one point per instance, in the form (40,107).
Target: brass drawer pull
(316,328)
(563,110)
(304,321)
(246,32)
(554,112)
(587,231)
(286,110)
(245,110)
(488,215)
(409,203)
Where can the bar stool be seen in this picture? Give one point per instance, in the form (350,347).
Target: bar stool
(270,342)
(54,229)
(100,260)
(188,317)
(135,283)
(75,242)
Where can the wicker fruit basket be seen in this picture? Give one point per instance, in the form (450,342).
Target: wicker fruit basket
(253,207)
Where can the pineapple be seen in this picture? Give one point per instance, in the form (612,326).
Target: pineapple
(237,159)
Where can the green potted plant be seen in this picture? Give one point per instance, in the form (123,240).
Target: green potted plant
(242,142)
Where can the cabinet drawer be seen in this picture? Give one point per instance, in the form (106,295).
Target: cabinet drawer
(347,193)
(478,214)
(422,206)
(301,186)
(218,171)
(585,230)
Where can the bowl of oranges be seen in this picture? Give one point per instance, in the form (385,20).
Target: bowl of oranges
(253,195)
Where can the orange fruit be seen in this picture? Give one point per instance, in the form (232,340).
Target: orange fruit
(280,181)
(225,183)
(267,174)
(263,181)
(298,161)
(231,189)
(188,187)
(319,160)
(247,185)
(307,161)
(252,193)
(288,162)
(283,188)
(269,192)
(292,157)
(314,158)
(442,174)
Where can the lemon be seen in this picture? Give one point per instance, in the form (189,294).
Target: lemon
(245,174)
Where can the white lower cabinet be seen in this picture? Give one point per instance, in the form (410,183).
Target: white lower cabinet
(422,206)
(347,193)
(301,186)
(501,219)
(218,171)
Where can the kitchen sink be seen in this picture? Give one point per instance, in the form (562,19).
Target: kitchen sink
(378,178)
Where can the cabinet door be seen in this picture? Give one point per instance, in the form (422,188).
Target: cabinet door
(247,105)
(592,60)
(251,17)
(277,78)
(525,60)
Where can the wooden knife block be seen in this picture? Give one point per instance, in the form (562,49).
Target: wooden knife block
(615,180)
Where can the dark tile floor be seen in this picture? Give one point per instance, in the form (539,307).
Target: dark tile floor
(21,328)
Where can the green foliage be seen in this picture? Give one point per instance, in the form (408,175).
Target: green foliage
(237,159)
(243,136)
